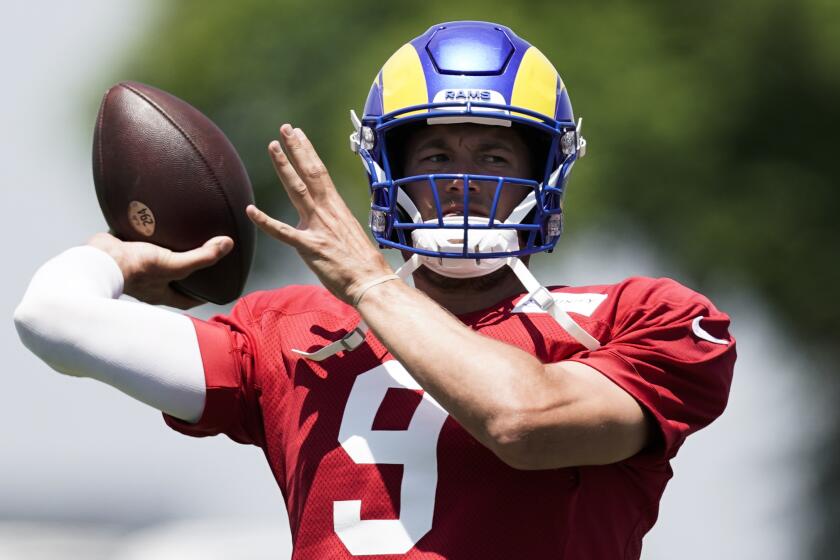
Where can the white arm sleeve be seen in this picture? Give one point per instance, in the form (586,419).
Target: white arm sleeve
(70,317)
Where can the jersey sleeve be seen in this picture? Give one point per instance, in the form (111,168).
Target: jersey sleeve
(228,346)
(672,351)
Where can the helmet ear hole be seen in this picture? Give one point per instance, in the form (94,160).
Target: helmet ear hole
(538,145)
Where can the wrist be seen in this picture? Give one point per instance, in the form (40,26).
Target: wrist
(112,247)
(360,291)
(385,297)
(88,267)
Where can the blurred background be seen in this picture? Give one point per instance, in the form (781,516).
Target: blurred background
(712,139)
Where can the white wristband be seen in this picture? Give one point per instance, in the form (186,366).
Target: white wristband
(360,293)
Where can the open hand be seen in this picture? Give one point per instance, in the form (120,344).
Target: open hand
(328,237)
(148,269)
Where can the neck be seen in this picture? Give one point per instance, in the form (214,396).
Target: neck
(465,295)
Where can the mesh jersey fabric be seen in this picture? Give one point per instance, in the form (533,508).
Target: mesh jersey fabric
(259,392)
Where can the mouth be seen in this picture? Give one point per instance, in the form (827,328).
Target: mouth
(458,210)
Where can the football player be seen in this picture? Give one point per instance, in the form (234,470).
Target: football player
(477,414)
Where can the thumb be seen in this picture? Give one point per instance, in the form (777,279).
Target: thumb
(183,264)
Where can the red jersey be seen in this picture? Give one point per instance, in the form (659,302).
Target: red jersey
(372,466)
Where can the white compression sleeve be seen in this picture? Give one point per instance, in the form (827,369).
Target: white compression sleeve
(70,317)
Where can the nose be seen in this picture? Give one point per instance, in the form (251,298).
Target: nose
(456,186)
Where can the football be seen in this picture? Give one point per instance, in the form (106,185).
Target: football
(166,174)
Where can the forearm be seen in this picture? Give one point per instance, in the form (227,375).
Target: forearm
(483,383)
(71,319)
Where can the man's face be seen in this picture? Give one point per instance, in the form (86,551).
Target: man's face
(466,148)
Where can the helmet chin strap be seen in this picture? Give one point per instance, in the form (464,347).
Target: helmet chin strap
(537,294)
(356,337)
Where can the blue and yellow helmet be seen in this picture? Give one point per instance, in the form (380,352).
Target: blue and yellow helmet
(475,72)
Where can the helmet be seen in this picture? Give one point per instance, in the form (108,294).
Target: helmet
(468,72)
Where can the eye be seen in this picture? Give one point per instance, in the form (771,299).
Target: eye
(436,158)
(493,159)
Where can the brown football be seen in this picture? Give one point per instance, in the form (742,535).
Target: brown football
(166,174)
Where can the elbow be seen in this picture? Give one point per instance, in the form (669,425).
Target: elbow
(523,443)
(532,425)
(532,440)
(45,329)
(34,322)
(581,419)
(27,317)
(513,438)
(517,429)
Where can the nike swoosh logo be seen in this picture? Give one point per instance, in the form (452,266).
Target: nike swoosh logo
(700,332)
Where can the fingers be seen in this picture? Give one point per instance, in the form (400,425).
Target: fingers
(184,264)
(296,189)
(275,228)
(307,166)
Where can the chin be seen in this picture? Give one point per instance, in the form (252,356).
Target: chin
(464,284)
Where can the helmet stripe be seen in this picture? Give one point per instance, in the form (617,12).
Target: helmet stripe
(536,84)
(403,81)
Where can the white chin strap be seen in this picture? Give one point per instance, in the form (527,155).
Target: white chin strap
(540,295)
(536,293)
(356,337)
(452,241)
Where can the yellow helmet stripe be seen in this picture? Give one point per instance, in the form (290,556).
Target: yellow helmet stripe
(403,81)
(535,87)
